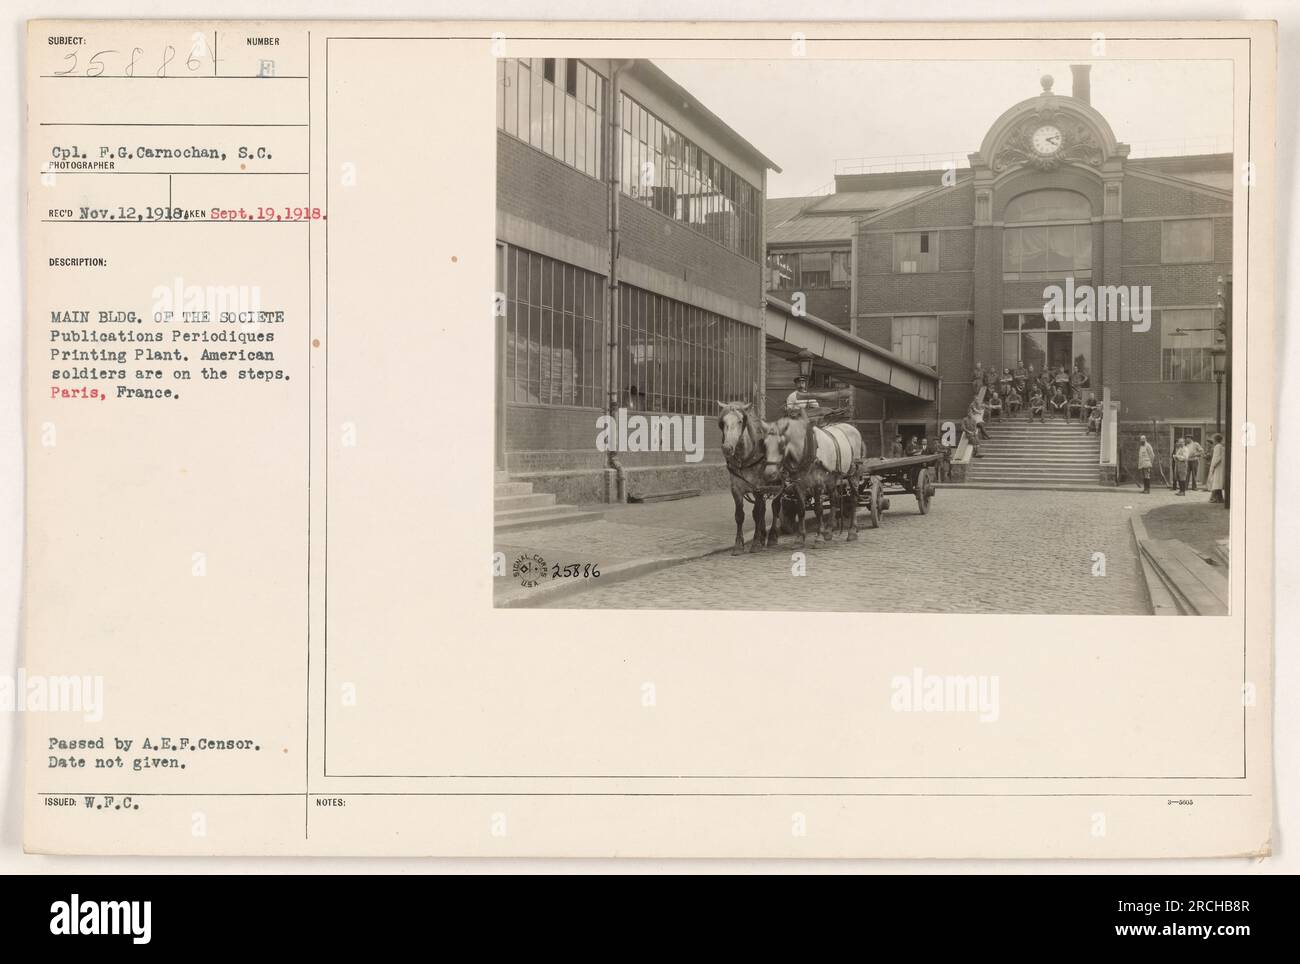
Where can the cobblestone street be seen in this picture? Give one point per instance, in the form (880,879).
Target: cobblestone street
(978,551)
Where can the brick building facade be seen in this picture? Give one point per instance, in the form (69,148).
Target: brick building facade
(629,272)
(949,267)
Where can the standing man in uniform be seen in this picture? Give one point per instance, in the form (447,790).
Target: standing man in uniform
(1194,454)
(1180,466)
(1146,458)
(971,428)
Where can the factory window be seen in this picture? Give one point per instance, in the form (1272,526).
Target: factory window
(677,358)
(803,270)
(1187,340)
(1186,242)
(841,269)
(666,171)
(1034,343)
(815,269)
(1047,205)
(782,270)
(916,252)
(1048,234)
(560,120)
(555,332)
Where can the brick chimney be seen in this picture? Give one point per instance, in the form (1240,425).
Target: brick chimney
(1082,82)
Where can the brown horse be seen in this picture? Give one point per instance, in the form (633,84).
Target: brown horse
(742,434)
(817,461)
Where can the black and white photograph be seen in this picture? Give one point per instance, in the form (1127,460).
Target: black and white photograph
(909,336)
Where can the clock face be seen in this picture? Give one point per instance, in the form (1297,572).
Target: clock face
(1047,140)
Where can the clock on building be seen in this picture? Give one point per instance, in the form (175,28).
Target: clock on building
(1047,140)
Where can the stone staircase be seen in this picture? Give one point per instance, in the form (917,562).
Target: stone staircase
(1021,452)
(517,506)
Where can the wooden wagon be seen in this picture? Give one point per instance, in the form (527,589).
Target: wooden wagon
(874,480)
(877,479)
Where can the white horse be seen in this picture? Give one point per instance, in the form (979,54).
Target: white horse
(815,460)
(742,434)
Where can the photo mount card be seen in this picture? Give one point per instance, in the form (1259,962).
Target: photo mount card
(663,440)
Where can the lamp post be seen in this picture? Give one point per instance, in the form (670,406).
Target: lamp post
(806,365)
(1219,357)
(1223,372)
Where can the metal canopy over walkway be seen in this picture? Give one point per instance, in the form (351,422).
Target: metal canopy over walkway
(846,357)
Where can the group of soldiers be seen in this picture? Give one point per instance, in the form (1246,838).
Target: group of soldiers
(1053,392)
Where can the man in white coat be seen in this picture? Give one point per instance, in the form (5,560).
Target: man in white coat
(1215,481)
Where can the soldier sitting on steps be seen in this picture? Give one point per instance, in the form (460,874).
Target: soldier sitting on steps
(1058,404)
(1037,406)
(1076,404)
(1013,401)
(994,405)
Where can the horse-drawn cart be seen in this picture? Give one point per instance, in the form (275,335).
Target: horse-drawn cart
(874,480)
(877,479)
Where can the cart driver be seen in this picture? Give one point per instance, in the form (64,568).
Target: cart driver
(810,402)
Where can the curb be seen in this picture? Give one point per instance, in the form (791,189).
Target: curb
(544,522)
(1158,595)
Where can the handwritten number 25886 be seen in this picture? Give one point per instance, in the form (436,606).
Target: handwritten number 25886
(96,65)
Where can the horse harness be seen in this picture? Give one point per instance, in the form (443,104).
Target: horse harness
(810,451)
(737,468)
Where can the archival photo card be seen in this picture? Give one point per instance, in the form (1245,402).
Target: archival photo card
(652,440)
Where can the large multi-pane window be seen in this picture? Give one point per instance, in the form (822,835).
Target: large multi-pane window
(916,339)
(1187,342)
(675,357)
(1047,234)
(1024,341)
(554,104)
(809,269)
(1186,242)
(667,172)
(1030,339)
(555,332)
